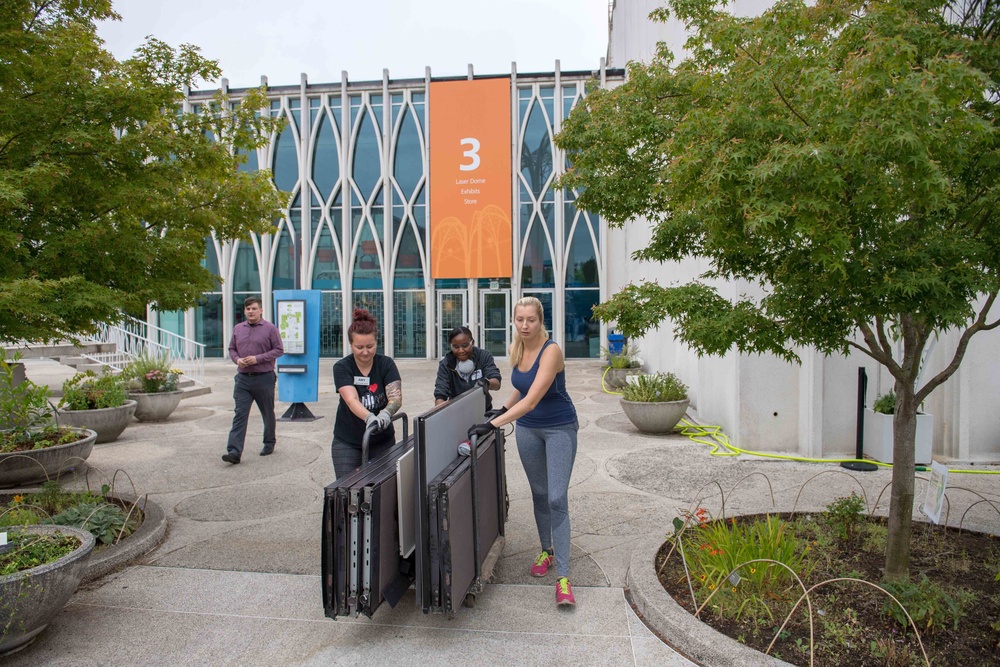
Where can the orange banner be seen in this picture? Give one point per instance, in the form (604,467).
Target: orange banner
(470,178)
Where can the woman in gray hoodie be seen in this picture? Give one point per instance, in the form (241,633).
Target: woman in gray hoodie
(465,367)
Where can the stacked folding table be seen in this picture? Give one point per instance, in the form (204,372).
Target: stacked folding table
(420,514)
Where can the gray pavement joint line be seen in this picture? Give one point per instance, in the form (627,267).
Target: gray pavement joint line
(638,491)
(657,634)
(347,621)
(628,622)
(587,554)
(634,538)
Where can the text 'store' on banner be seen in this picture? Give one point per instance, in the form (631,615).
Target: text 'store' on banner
(470,179)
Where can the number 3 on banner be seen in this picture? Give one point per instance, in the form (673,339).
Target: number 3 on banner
(472,153)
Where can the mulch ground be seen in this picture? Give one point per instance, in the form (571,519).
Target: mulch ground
(852,626)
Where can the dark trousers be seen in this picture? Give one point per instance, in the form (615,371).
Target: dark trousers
(250,389)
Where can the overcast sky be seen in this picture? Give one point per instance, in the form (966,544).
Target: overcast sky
(284,38)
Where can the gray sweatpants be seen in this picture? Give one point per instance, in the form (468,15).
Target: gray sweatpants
(547,455)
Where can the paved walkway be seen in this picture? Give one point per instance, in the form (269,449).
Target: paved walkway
(236,581)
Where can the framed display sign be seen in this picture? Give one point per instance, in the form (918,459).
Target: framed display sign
(291,322)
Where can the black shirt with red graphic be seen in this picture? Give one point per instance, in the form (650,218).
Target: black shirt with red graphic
(371,393)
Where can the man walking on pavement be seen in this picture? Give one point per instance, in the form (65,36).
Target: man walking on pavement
(255,345)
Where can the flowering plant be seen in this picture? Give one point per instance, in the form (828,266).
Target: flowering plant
(151,375)
(714,549)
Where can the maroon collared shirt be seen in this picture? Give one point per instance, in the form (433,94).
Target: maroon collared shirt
(260,340)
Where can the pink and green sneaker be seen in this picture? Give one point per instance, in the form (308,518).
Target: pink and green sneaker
(564,593)
(542,563)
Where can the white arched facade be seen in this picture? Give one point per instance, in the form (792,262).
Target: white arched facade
(355,158)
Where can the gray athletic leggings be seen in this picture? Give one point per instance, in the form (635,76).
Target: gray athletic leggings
(547,455)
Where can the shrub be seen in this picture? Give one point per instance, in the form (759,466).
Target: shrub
(655,388)
(88,391)
(886,403)
(23,408)
(20,516)
(627,358)
(843,515)
(928,603)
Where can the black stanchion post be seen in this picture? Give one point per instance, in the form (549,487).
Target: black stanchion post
(859,453)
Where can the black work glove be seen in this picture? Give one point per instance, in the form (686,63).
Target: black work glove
(480,430)
(484,383)
(490,414)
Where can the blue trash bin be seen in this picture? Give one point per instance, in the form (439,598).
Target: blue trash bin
(616,343)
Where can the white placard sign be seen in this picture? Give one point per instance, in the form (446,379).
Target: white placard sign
(934,498)
(291,321)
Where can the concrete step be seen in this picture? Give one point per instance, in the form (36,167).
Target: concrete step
(195,390)
(56,350)
(87,365)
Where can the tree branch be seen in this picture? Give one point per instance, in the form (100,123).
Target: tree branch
(787,104)
(963,344)
(775,86)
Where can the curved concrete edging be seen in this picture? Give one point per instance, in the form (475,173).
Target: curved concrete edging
(139,543)
(686,634)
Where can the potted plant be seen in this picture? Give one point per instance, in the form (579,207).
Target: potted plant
(152,384)
(39,571)
(32,447)
(878,431)
(123,526)
(99,403)
(655,403)
(621,365)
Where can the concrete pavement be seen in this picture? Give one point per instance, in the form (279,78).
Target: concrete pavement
(236,580)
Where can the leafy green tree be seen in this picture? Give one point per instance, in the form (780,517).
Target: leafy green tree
(107,188)
(842,157)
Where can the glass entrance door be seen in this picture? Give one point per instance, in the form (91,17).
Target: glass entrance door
(494,322)
(452,312)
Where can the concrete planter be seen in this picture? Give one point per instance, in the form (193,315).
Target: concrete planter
(659,417)
(110,557)
(878,437)
(108,423)
(615,378)
(29,599)
(19,468)
(155,407)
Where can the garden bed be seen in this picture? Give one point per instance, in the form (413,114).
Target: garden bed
(145,526)
(852,625)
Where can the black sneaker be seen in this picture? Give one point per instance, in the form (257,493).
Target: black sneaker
(267,451)
(230,458)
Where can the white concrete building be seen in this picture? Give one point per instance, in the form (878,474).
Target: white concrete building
(762,402)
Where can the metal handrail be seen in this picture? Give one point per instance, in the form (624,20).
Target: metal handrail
(134,338)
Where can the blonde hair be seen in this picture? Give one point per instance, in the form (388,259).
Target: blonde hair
(517,349)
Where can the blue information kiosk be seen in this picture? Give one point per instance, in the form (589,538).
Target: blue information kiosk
(296,314)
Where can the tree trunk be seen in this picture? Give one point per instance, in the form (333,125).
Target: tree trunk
(904,431)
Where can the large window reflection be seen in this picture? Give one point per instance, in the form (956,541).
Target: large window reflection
(208,324)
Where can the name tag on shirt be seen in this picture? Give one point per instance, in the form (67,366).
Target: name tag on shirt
(476,375)
(361,381)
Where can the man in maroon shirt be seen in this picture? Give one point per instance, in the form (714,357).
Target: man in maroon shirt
(255,345)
